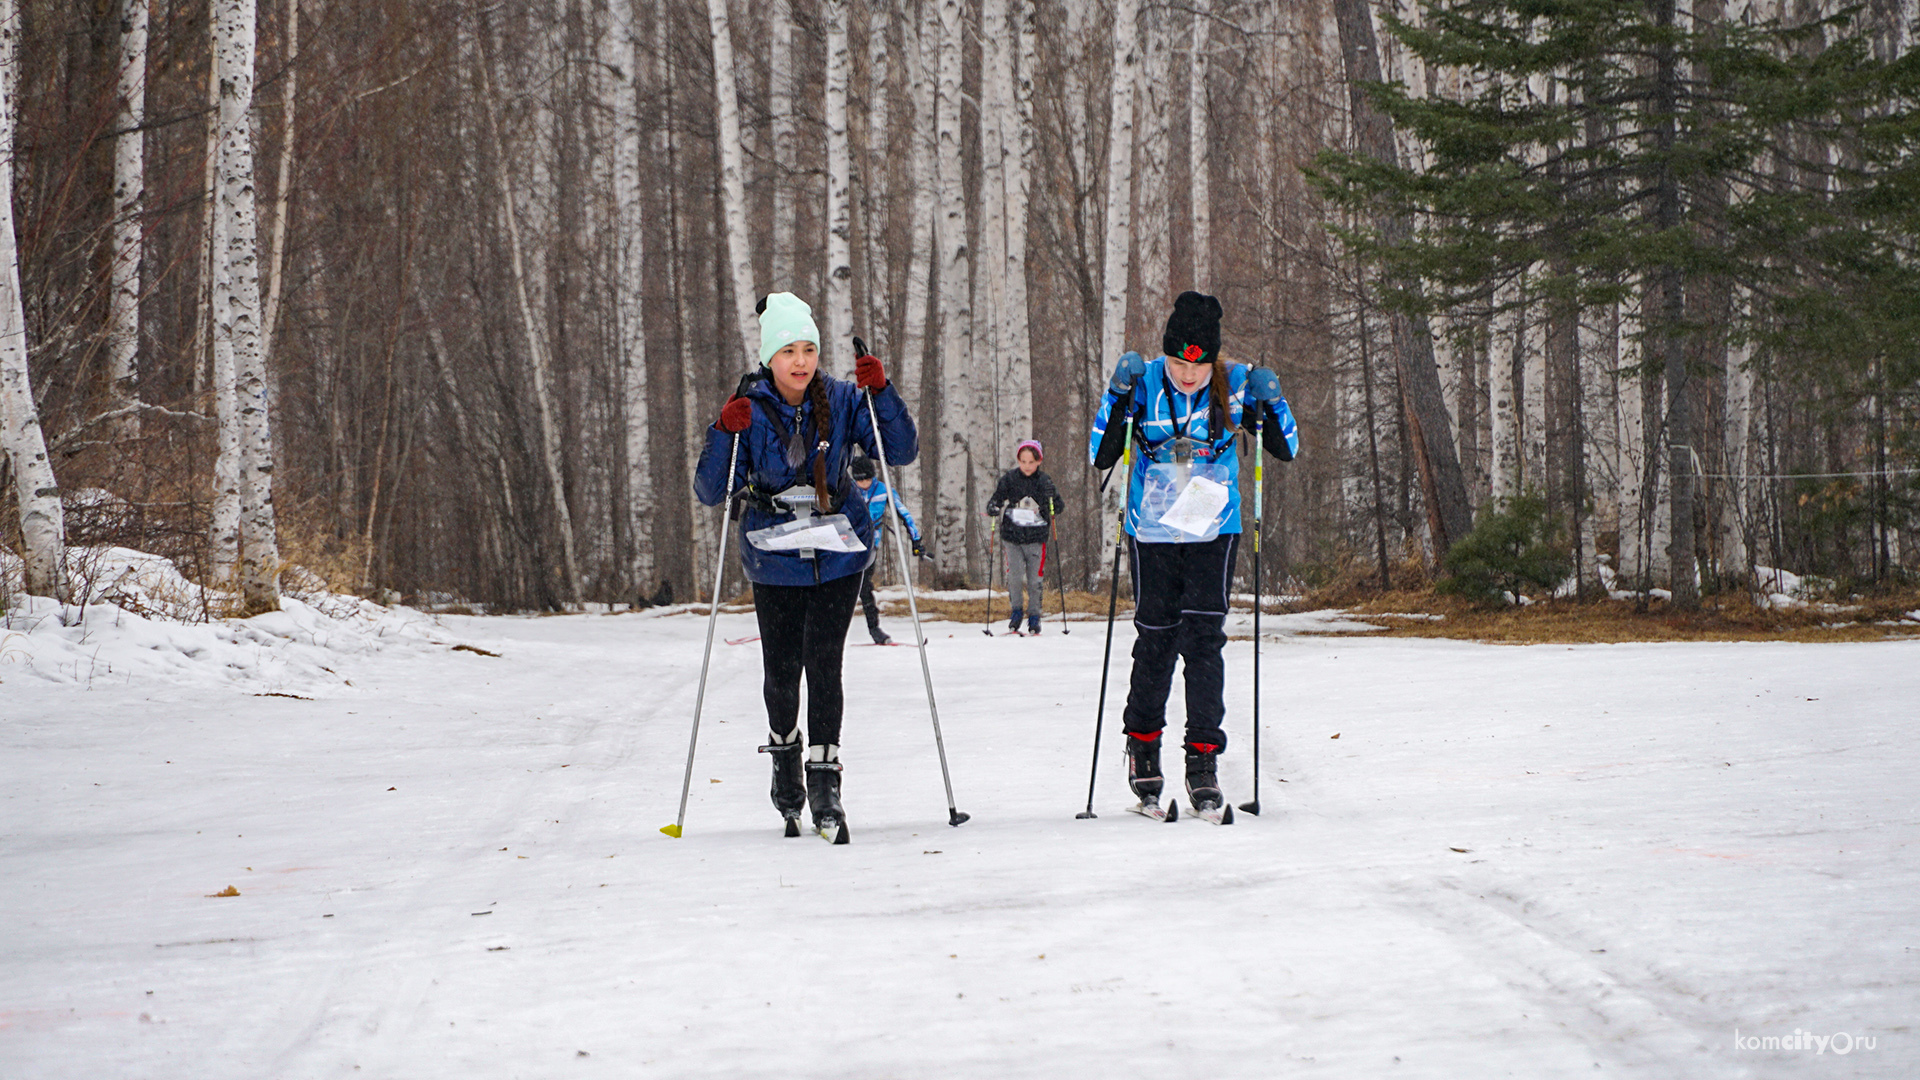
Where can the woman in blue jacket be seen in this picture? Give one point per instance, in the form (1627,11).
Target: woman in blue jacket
(805,536)
(1188,409)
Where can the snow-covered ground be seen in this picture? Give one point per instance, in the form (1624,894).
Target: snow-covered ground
(1512,861)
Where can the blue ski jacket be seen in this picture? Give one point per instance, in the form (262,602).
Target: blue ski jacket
(763,464)
(877,507)
(1162,414)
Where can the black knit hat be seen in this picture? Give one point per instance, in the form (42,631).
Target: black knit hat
(861,468)
(1194,324)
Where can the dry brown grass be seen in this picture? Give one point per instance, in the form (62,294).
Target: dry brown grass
(1725,618)
(975,611)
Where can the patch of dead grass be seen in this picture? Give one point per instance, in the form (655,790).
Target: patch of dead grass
(1728,618)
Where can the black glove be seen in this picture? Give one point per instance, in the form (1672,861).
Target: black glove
(919,549)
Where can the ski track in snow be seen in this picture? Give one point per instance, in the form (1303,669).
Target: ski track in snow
(1665,843)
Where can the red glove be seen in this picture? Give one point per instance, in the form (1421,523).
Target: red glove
(869,375)
(736,415)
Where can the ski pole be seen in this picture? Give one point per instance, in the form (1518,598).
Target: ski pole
(1259,498)
(987,627)
(1054,535)
(954,816)
(713,616)
(1113,600)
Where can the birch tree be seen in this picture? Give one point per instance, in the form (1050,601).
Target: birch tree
(1155,224)
(959,385)
(1114,275)
(876,177)
(239,321)
(1200,141)
(629,271)
(1115,268)
(839,330)
(1015,334)
(917,299)
(129,200)
(780,104)
(733,190)
(42,524)
(989,270)
(283,191)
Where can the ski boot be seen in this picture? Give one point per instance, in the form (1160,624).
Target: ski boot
(1013,624)
(789,777)
(1203,784)
(880,636)
(823,792)
(1033,628)
(1143,776)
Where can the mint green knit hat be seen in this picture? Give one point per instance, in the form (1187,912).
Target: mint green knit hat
(785,319)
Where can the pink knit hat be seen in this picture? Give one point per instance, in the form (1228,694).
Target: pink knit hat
(1031,444)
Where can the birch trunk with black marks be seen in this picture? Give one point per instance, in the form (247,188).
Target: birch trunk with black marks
(960,409)
(129,203)
(42,523)
(733,191)
(838,348)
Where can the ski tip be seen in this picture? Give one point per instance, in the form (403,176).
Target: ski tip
(1173,811)
(671,830)
(1084,815)
(955,818)
(843,836)
(1251,807)
(1226,814)
(793,826)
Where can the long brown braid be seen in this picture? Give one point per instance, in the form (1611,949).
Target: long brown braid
(820,433)
(1222,395)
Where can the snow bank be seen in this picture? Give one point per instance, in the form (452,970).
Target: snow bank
(136,619)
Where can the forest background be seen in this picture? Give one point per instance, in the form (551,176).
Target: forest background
(434,298)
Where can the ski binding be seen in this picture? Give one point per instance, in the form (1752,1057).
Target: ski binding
(1220,812)
(1150,807)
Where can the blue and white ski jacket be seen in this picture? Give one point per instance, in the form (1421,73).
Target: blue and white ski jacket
(877,507)
(763,463)
(1162,414)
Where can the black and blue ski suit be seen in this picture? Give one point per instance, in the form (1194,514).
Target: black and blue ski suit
(1181,576)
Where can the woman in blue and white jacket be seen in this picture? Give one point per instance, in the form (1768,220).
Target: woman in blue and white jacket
(1188,409)
(797,430)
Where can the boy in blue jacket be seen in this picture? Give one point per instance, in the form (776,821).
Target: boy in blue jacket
(877,497)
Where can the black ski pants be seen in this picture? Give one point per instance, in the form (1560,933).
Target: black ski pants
(803,630)
(1180,612)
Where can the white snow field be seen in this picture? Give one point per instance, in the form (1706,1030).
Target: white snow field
(1638,860)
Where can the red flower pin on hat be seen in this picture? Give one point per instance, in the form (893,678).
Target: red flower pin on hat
(1192,354)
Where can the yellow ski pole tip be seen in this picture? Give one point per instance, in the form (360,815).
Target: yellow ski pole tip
(671,830)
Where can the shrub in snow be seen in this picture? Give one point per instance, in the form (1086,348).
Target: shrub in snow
(1510,551)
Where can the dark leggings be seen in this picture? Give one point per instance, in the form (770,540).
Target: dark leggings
(803,628)
(1180,613)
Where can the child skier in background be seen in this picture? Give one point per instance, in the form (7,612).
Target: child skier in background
(1026,501)
(877,496)
(1188,407)
(796,430)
